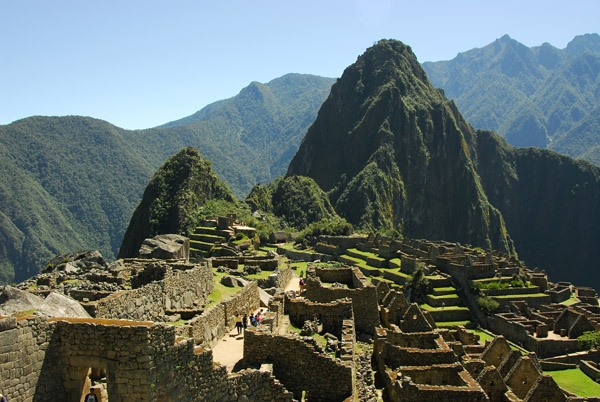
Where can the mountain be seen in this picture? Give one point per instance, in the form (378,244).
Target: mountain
(70,183)
(391,151)
(383,147)
(178,188)
(531,96)
(66,183)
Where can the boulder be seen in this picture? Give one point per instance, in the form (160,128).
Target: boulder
(230,281)
(265,298)
(278,237)
(166,247)
(13,300)
(59,305)
(73,262)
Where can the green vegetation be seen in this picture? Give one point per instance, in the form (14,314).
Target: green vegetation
(589,340)
(417,287)
(221,292)
(24,313)
(575,381)
(483,336)
(487,305)
(71,183)
(571,300)
(545,98)
(180,187)
(331,227)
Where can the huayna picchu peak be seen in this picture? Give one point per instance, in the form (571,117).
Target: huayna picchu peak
(392,152)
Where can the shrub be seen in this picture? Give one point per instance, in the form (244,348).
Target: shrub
(487,305)
(589,340)
(331,227)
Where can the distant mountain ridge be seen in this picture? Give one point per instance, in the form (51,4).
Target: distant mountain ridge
(535,96)
(393,152)
(69,183)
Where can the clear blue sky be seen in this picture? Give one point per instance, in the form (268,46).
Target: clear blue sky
(138,64)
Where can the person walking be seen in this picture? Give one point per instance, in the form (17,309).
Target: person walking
(238,323)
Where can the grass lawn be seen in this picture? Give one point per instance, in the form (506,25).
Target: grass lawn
(451,323)
(483,336)
(446,289)
(575,381)
(569,301)
(427,307)
(221,291)
(261,275)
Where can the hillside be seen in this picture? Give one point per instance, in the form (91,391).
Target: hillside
(531,96)
(73,182)
(178,188)
(392,151)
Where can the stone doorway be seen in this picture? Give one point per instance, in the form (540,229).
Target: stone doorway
(86,372)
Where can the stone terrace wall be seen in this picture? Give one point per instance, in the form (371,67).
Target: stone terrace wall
(178,289)
(331,315)
(344,242)
(299,366)
(341,275)
(216,321)
(26,369)
(142,304)
(182,288)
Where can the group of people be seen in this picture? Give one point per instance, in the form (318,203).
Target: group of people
(241,322)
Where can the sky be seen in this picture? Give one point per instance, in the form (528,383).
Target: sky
(139,64)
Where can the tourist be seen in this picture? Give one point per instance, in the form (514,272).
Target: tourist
(238,323)
(91,397)
(252,320)
(301,285)
(245,321)
(2,398)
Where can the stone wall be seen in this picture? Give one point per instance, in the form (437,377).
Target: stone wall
(331,315)
(344,242)
(299,366)
(364,296)
(24,356)
(278,279)
(178,289)
(185,288)
(298,255)
(143,304)
(207,328)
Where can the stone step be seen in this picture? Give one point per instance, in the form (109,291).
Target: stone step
(207,238)
(200,245)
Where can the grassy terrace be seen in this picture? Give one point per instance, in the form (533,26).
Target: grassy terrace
(520,296)
(221,291)
(451,323)
(212,229)
(366,254)
(575,381)
(448,296)
(427,307)
(570,301)
(483,336)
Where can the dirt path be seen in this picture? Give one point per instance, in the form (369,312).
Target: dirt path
(230,349)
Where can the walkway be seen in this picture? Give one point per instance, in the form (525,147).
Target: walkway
(230,349)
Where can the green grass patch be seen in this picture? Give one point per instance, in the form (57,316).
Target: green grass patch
(287,246)
(448,296)
(575,381)
(212,229)
(221,291)
(483,336)
(451,323)
(366,254)
(260,275)
(446,289)
(519,296)
(427,307)
(571,300)
(396,261)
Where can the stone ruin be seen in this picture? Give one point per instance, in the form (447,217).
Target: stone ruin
(127,345)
